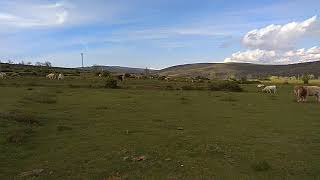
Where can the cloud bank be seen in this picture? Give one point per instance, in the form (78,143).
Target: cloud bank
(280,37)
(259,56)
(275,44)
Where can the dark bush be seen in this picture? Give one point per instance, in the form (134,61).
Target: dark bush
(64,128)
(111,83)
(127,75)
(225,86)
(22,117)
(261,166)
(188,87)
(103,74)
(305,79)
(169,87)
(19,136)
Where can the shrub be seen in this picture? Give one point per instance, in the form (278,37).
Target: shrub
(188,87)
(103,73)
(111,83)
(169,87)
(127,75)
(305,79)
(225,86)
(64,128)
(261,166)
(74,86)
(18,136)
(22,117)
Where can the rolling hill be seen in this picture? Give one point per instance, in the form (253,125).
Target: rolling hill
(241,69)
(118,69)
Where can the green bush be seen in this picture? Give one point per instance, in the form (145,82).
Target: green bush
(261,166)
(103,74)
(305,79)
(19,136)
(225,86)
(21,117)
(188,87)
(111,83)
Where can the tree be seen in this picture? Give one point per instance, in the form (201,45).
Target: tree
(305,79)
(29,63)
(10,62)
(38,64)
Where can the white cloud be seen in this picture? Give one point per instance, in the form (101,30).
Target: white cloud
(44,13)
(259,56)
(281,37)
(27,15)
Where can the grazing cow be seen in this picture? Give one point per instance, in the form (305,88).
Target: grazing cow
(313,91)
(121,77)
(60,76)
(270,89)
(51,76)
(301,93)
(260,85)
(3,75)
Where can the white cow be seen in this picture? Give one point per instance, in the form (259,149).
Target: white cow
(3,75)
(313,91)
(260,85)
(60,76)
(270,89)
(51,76)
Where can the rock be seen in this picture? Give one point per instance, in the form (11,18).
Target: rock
(35,172)
(140,158)
(125,158)
(180,128)
(168,159)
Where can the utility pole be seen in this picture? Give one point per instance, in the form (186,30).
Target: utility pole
(82,59)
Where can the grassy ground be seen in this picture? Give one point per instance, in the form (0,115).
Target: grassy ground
(76,131)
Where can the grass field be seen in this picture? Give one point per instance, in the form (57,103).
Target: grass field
(75,129)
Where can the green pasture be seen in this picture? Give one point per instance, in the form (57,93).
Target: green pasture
(150,129)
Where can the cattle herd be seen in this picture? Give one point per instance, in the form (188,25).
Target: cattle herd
(55,76)
(301,92)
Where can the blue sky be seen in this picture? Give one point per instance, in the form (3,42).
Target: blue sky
(159,33)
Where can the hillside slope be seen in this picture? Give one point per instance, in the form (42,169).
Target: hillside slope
(241,69)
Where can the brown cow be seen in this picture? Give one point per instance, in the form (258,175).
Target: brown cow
(301,93)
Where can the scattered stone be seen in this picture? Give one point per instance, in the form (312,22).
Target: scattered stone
(127,131)
(35,172)
(140,158)
(180,128)
(168,159)
(181,165)
(125,158)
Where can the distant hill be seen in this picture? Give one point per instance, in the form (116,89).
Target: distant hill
(241,69)
(118,69)
(219,70)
